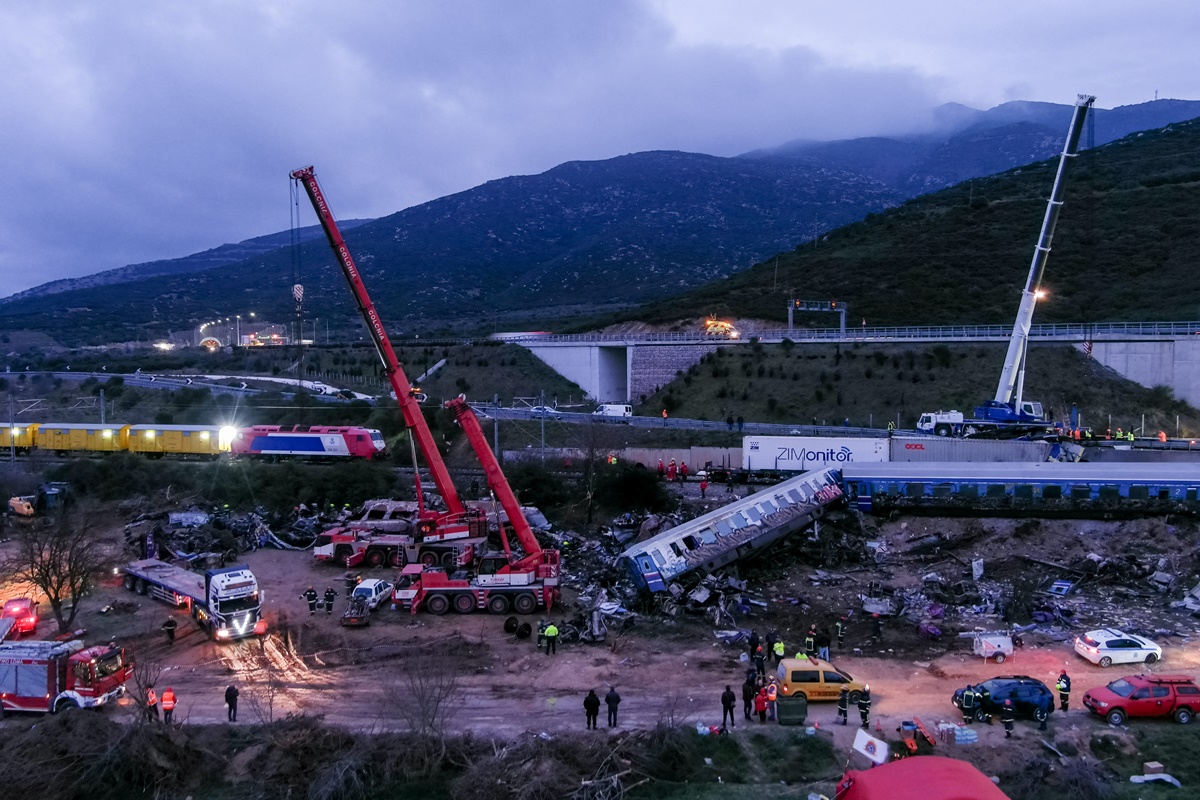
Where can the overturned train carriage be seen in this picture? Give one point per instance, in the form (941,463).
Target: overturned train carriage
(735,531)
(1044,489)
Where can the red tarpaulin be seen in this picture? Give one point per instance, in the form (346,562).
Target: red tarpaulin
(919,778)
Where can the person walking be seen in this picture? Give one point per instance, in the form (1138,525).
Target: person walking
(330,595)
(169,627)
(772,698)
(729,482)
(741,422)
(1008,716)
(729,421)
(664,418)
(703,487)
(777,651)
(231,698)
(760,663)
(1064,690)
(760,704)
(840,628)
(1045,706)
(864,706)
(151,704)
(168,704)
(612,700)
(876,628)
(823,640)
(671,470)
(844,706)
(311,597)
(749,689)
(968,704)
(662,469)
(591,708)
(551,639)
(754,642)
(728,701)
(683,472)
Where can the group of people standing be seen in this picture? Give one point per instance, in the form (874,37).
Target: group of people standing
(672,472)
(591,707)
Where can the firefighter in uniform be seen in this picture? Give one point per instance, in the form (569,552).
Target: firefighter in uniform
(810,642)
(168,703)
(330,595)
(968,704)
(840,628)
(311,597)
(1008,716)
(1064,690)
(843,706)
(864,706)
(169,626)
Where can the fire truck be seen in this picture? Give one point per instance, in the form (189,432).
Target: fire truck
(496,581)
(54,676)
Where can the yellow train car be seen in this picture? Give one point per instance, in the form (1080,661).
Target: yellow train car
(20,436)
(68,437)
(207,441)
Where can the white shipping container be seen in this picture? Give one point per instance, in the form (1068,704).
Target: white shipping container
(802,453)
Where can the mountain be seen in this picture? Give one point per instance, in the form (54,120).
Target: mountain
(197,262)
(1125,248)
(580,237)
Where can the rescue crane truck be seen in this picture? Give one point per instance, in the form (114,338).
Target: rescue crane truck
(225,602)
(498,581)
(1008,414)
(54,676)
(351,545)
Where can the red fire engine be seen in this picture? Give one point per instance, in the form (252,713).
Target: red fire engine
(53,676)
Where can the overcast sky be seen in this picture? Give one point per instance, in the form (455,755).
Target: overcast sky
(134,131)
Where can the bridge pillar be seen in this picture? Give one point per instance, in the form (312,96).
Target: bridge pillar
(1171,362)
(602,371)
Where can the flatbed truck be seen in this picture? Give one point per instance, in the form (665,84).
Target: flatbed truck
(226,602)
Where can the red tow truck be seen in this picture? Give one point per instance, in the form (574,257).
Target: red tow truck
(496,581)
(54,676)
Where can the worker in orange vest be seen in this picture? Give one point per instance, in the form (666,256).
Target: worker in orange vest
(772,696)
(151,704)
(168,704)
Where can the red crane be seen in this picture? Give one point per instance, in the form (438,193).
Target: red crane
(499,583)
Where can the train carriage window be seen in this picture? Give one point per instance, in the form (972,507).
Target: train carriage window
(1081,492)
(675,549)
(1052,492)
(1139,492)
(1164,493)
(1191,495)
(186,434)
(1110,492)
(943,490)
(690,542)
(968,491)
(91,433)
(914,489)
(995,490)
(1023,492)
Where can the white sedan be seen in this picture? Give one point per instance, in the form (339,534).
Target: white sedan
(1110,646)
(374,591)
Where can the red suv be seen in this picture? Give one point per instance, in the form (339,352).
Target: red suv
(1146,696)
(23,612)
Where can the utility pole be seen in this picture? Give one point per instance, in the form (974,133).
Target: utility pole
(543,405)
(101,406)
(12,428)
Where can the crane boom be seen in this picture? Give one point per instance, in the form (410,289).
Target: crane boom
(413,419)
(1012,378)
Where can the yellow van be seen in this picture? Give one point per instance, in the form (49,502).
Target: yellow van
(815,680)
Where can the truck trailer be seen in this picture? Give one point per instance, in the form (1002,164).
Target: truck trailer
(49,677)
(225,602)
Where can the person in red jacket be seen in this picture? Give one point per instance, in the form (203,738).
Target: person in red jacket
(760,704)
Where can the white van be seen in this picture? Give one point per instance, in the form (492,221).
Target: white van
(613,410)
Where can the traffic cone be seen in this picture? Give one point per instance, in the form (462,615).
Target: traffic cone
(817,726)
(878,726)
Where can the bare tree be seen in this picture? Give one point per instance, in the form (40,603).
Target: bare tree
(265,683)
(147,669)
(426,696)
(63,559)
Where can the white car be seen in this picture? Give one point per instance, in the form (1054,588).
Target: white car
(375,591)
(544,411)
(1110,646)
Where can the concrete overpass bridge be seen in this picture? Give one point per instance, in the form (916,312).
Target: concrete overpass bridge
(621,367)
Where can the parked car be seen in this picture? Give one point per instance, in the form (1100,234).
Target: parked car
(23,612)
(374,591)
(815,679)
(1110,646)
(1145,696)
(544,411)
(1025,692)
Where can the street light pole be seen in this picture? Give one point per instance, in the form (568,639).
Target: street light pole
(239,331)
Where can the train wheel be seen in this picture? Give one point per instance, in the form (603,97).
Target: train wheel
(429,558)
(525,603)
(437,604)
(464,603)
(398,559)
(498,604)
(376,558)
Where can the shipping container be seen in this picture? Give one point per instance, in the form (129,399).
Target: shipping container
(944,449)
(803,453)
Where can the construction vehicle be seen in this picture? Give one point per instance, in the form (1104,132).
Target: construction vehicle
(720,328)
(54,676)
(49,498)
(1008,414)
(351,546)
(497,581)
(226,602)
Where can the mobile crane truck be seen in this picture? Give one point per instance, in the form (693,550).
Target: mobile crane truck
(496,581)
(1008,414)
(225,602)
